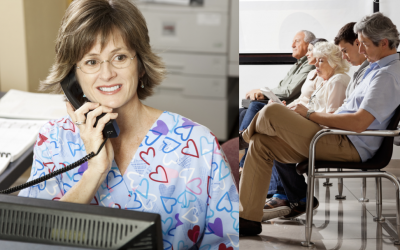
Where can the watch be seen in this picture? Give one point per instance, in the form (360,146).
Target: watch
(309,112)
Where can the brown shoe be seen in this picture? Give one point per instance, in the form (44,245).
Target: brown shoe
(249,227)
(242,143)
(275,208)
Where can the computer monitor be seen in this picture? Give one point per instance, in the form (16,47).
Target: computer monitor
(61,223)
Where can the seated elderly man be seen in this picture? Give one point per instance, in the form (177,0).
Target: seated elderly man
(289,88)
(277,133)
(289,199)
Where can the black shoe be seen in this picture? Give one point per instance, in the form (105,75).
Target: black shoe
(249,227)
(242,143)
(298,209)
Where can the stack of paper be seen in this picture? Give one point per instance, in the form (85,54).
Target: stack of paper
(30,112)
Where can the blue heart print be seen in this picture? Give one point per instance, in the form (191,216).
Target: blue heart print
(212,214)
(183,130)
(170,141)
(152,134)
(41,164)
(204,247)
(136,203)
(170,220)
(170,205)
(68,186)
(44,151)
(185,198)
(233,195)
(182,246)
(76,147)
(221,207)
(235,216)
(166,192)
(147,188)
(223,169)
(56,134)
(78,177)
(55,144)
(114,180)
(208,149)
(169,245)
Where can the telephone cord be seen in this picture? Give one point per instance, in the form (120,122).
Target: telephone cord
(55,173)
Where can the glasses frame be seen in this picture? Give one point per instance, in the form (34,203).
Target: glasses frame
(78,67)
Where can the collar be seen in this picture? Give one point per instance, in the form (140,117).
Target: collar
(302,60)
(385,61)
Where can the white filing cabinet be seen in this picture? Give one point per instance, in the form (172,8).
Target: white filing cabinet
(194,43)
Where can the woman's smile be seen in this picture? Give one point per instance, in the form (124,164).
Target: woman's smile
(110,89)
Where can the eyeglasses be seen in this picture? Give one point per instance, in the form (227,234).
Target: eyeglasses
(91,66)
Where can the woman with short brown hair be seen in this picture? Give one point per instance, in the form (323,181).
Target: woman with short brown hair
(161,162)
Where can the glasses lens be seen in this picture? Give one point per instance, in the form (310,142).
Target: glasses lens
(121,61)
(90,66)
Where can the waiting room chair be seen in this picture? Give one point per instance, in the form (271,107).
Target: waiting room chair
(372,168)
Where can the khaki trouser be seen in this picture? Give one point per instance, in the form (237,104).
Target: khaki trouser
(278,133)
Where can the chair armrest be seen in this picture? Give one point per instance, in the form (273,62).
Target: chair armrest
(323,132)
(372,132)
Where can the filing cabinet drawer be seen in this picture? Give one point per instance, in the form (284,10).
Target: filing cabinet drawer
(186,31)
(206,87)
(195,64)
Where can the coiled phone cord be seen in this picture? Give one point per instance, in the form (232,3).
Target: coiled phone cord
(55,173)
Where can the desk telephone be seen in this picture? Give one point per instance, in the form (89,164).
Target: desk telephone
(75,96)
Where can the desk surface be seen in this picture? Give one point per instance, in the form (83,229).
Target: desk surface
(16,168)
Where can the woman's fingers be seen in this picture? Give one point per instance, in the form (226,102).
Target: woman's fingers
(91,116)
(102,121)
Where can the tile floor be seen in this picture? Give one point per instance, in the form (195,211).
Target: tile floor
(346,224)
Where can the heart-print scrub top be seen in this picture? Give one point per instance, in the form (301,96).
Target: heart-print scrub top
(179,172)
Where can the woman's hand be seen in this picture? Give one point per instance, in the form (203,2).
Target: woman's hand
(301,109)
(91,136)
(284,102)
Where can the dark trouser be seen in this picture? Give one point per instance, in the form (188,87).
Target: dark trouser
(294,185)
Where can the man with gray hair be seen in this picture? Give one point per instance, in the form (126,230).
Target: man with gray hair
(290,87)
(277,133)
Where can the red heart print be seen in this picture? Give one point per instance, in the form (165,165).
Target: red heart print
(49,167)
(147,153)
(194,233)
(159,177)
(216,141)
(222,246)
(187,146)
(71,125)
(42,139)
(97,202)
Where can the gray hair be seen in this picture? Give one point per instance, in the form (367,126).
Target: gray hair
(333,55)
(377,27)
(308,36)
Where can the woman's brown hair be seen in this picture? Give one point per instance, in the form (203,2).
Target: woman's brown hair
(87,20)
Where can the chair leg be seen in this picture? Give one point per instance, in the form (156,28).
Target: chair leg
(379,217)
(309,211)
(340,196)
(327,183)
(364,191)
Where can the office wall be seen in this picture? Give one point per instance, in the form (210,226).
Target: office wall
(29,29)
(42,21)
(13,64)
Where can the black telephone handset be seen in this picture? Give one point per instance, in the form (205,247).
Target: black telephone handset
(74,94)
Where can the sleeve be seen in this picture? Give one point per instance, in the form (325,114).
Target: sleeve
(383,87)
(294,87)
(222,223)
(43,164)
(336,93)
